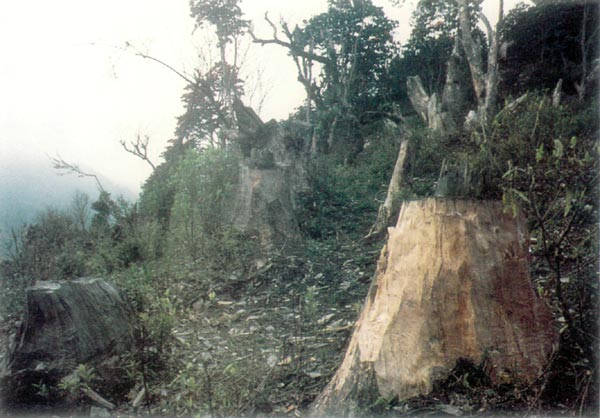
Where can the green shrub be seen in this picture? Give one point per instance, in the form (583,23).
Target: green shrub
(343,198)
(545,161)
(204,185)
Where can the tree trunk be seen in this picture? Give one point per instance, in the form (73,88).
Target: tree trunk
(439,115)
(454,95)
(391,205)
(452,282)
(418,97)
(84,321)
(485,82)
(473,52)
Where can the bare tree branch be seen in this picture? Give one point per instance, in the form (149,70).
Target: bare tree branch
(69,168)
(485,83)
(129,47)
(139,148)
(197,80)
(294,48)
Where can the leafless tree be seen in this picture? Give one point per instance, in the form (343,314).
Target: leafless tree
(80,209)
(139,148)
(65,168)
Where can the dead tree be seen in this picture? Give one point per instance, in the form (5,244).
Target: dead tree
(485,82)
(271,172)
(304,58)
(139,148)
(64,168)
(443,114)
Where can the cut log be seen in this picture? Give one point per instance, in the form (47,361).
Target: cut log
(452,282)
(84,321)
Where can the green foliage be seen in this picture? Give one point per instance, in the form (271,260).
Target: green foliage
(53,235)
(224,386)
(537,148)
(114,235)
(546,45)
(224,15)
(156,311)
(203,184)
(52,248)
(153,302)
(81,378)
(157,322)
(428,149)
(357,38)
(156,199)
(202,121)
(342,198)
(355,43)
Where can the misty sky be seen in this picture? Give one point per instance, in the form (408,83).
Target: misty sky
(67,89)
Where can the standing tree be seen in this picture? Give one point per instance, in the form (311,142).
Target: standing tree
(225,16)
(206,121)
(433,64)
(80,209)
(352,41)
(485,78)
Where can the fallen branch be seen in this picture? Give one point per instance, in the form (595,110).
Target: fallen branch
(94,396)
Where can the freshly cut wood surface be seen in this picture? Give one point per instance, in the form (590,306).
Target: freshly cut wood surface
(452,282)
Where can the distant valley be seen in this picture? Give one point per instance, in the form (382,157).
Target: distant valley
(29,186)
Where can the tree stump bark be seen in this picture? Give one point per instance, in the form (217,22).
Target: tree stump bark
(272,171)
(452,282)
(84,321)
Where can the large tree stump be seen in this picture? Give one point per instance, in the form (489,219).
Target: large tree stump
(272,171)
(452,282)
(84,321)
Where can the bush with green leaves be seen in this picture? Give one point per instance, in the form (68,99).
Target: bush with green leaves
(51,248)
(427,151)
(545,160)
(204,184)
(343,198)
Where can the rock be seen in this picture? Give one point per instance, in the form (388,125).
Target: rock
(84,321)
(452,282)
(96,412)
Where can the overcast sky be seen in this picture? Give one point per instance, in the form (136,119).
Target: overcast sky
(66,90)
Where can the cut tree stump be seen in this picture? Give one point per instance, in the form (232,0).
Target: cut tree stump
(84,321)
(452,283)
(271,173)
